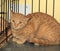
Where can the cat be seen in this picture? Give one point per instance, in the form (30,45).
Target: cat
(38,28)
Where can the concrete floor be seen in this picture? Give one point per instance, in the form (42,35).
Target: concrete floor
(28,47)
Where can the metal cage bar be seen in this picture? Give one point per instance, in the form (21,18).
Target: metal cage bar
(25,8)
(39,6)
(8,8)
(18,5)
(46,5)
(5,24)
(53,7)
(14,6)
(1,15)
(10,4)
(32,6)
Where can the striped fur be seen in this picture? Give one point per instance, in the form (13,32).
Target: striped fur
(38,28)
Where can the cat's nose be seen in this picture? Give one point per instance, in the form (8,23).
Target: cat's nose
(15,25)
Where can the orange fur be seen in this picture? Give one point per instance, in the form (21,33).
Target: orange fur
(38,28)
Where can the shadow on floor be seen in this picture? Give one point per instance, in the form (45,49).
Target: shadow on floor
(28,47)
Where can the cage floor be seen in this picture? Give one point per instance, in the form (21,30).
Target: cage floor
(11,46)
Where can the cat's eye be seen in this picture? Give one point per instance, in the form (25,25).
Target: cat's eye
(13,20)
(20,22)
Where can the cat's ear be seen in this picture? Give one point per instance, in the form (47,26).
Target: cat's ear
(11,13)
(28,19)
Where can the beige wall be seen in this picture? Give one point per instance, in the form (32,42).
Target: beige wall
(43,7)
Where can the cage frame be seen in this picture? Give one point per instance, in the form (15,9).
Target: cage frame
(17,6)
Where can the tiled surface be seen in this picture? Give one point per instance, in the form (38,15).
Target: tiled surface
(28,47)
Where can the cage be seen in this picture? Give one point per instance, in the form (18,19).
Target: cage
(25,7)
(3,22)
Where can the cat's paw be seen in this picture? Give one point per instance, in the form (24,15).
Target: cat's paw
(14,39)
(19,42)
(36,44)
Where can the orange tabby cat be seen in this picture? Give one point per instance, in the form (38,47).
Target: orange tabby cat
(38,28)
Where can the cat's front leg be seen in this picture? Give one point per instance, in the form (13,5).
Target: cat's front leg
(21,41)
(14,39)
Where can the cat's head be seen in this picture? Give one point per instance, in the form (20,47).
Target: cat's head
(18,20)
